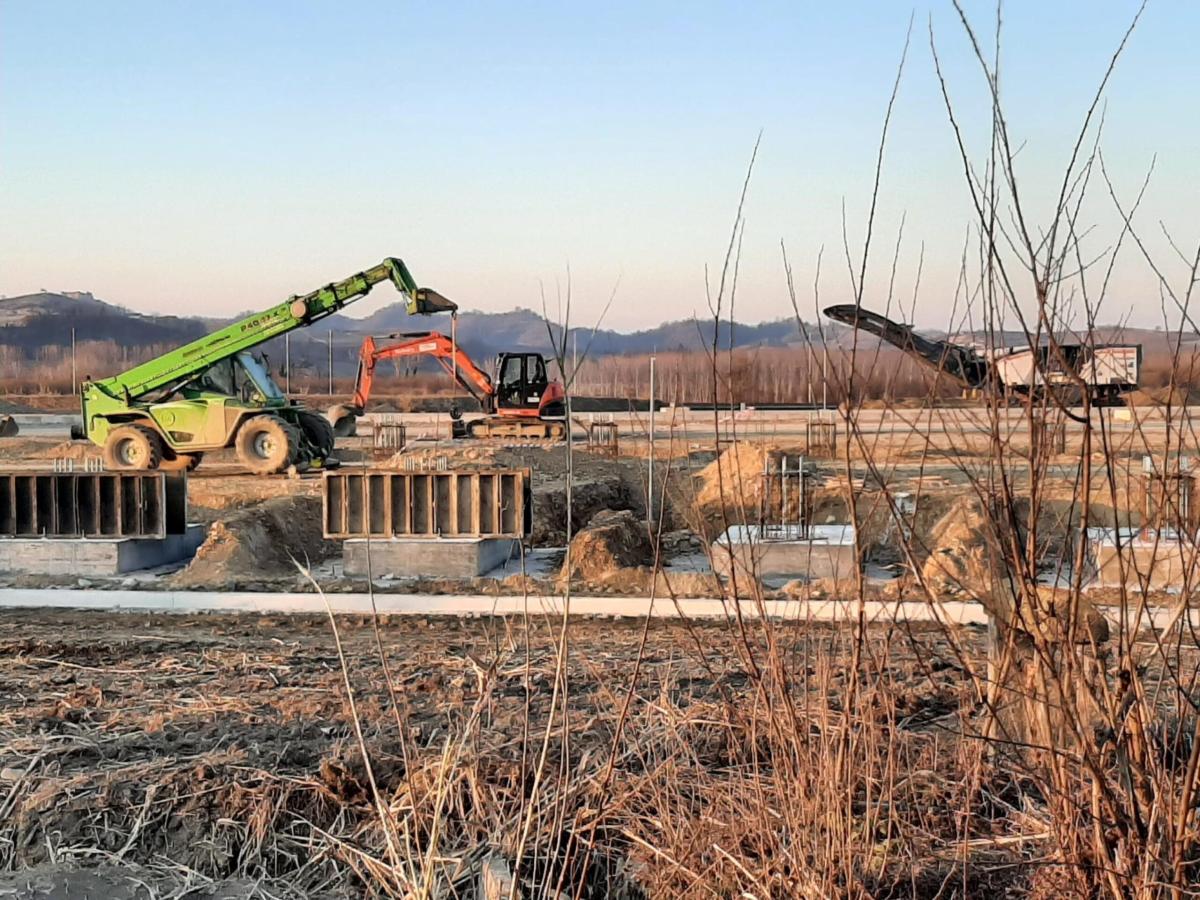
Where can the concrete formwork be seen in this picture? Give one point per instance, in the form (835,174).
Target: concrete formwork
(92,504)
(818,551)
(479,503)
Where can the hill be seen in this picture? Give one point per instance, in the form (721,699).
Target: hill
(34,321)
(37,327)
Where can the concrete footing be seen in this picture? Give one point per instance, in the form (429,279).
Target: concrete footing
(1156,560)
(825,551)
(456,557)
(96,557)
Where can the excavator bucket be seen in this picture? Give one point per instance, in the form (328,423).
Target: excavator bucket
(8,426)
(427,301)
(344,419)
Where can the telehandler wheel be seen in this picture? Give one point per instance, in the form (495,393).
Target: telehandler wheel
(133,447)
(181,462)
(267,444)
(318,431)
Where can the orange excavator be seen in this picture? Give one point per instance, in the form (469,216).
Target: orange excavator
(520,401)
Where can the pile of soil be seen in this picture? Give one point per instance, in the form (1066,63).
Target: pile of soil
(733,482)
(965,559)
(221,494)
(1162,396)
(77,450)
(588,498)
(259,542)
(457,455)
(612,540)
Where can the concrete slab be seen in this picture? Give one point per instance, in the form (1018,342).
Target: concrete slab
(96,557)
(432,557)
(1159,560)
(778,551)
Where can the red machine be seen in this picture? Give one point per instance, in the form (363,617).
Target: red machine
(520,401)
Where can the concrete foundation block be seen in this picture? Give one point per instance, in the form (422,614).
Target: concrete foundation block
(456,557)
(827,551)
(96,557)
(1159,561)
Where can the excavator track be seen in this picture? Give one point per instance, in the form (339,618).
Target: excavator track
(501,427)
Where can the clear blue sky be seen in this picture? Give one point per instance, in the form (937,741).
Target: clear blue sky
(209,157)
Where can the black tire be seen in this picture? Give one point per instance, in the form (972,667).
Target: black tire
(133,447)
(317,430)
(181,462)
(267,445)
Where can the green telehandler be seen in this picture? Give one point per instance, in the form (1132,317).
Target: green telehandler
(215,393)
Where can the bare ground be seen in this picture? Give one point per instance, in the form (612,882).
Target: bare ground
(216,750)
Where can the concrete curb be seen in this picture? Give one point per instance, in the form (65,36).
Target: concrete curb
(472,605)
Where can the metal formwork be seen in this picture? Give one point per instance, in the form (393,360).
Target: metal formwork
(603,438)
(821,439)
(92,504)
(477,503)
(389,437)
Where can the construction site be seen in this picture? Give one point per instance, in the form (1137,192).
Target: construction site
(230,638)
(851,556)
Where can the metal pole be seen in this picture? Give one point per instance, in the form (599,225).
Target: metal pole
(330,362)
(650,478)
(74,373)
(287,364)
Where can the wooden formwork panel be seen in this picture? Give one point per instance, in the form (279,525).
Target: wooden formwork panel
(477,503)
(92,504)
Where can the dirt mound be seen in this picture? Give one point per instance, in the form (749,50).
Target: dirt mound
(965,559)
(1161,396)
(229,493)
(588,498)
(74,450)
(733,482)
(611,541)
(259,542)
(456,455)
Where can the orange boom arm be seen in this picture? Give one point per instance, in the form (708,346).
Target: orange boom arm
(457,364)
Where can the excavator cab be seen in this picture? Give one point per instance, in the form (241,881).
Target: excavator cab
(520,381)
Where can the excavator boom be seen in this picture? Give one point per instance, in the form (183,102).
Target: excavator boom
(428,343)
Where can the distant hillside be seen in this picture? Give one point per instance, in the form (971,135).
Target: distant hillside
(38,327)
(524,329)
(35,321)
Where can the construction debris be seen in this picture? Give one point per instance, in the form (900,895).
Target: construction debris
(612,540)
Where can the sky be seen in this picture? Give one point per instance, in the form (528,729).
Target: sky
(205,158)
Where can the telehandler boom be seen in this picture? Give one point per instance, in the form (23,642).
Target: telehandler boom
(214,393)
